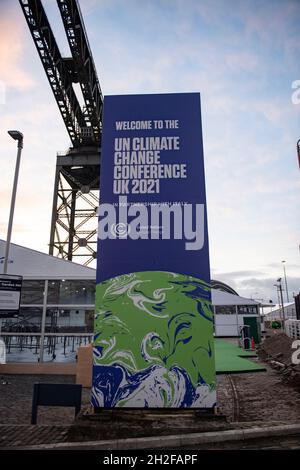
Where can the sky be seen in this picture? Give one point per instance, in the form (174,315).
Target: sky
(241,55)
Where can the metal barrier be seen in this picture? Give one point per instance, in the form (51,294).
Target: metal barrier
(52,342)
(292,328)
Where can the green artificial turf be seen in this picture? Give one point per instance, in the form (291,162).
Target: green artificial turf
(233,359)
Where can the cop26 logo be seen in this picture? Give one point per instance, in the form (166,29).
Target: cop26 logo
(296,354)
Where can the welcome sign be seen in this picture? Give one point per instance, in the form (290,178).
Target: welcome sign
(153,341)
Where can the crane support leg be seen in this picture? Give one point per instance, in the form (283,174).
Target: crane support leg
(75,204)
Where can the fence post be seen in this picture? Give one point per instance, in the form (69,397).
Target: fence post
(45,300)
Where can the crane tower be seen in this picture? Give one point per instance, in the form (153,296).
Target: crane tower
(73,234)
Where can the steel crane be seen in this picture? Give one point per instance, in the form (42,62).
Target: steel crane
(75,200)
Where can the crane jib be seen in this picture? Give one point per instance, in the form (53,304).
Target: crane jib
(82,123)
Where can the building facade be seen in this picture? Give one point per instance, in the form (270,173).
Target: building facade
(57,307)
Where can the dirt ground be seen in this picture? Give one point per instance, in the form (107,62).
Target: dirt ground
(262,397)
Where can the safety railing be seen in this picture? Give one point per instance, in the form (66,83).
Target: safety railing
(57,346)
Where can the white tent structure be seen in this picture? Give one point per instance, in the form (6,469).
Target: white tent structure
(32,264)
(276,312)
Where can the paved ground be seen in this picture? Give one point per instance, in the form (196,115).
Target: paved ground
(278,443)
(248,399)
(261,397)
(26,435)
(16,398)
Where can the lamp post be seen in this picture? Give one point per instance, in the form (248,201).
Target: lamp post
(18,136)
(285,281)
(280,297)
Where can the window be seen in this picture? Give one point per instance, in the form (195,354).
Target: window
(247,309)
(32,292)
(71,292)
(225,310)
(28,321)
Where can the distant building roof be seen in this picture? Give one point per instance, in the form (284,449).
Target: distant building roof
(222,287)
(225,298)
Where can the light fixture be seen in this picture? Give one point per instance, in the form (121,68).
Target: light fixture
(16,135)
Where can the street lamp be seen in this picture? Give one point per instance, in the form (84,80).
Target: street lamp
(280,298)
(18,136)
(286,287)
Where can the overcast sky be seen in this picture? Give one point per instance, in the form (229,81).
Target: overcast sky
(242,56)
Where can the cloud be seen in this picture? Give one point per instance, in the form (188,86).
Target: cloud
(242,60)
(89,7)
(270,21)
(288,265)
(255,284)
(240,274)
(265,287)
(18,228)
(12,52)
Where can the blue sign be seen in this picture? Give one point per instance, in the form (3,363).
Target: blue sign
(153,344)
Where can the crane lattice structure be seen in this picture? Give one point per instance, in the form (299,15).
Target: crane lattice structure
(73,232)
